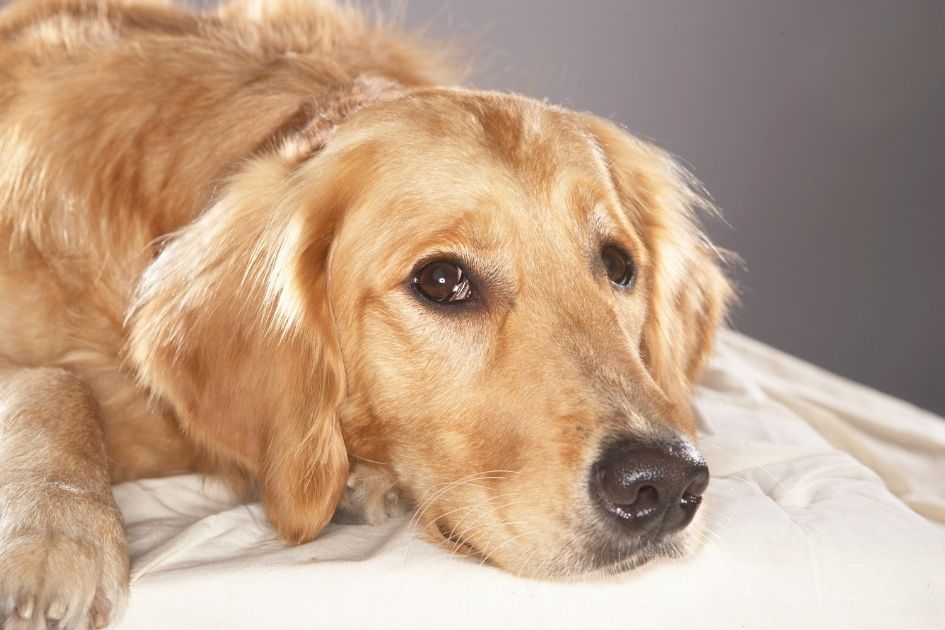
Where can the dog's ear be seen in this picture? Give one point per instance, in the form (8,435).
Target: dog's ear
(232,326)
(688,291)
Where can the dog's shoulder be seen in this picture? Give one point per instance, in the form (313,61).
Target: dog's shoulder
(72,25)
(40,32)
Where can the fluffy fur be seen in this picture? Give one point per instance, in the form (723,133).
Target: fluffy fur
(208,223)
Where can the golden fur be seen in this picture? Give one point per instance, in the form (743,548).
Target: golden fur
(207,223)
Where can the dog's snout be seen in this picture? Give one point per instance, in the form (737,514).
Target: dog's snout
(651,488)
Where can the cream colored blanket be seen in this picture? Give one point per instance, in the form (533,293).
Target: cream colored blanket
(826,510)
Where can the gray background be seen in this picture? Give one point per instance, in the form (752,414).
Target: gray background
(818,126)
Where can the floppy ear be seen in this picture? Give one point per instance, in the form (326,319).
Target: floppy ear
(232,326)
(688,292)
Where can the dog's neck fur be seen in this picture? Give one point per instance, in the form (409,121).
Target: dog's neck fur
(313,124)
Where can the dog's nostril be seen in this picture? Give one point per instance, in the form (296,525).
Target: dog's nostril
(629,497)
(699,483)
(647,499)
(651,488)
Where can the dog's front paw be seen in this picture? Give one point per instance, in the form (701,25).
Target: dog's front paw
(63,562)
(371,496)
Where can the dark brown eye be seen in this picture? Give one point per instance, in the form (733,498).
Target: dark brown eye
(618,264)
(443,282)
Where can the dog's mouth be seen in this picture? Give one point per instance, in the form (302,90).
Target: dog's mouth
(624,558)
(600,560)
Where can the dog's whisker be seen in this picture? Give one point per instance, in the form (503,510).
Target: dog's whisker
(489,527)
(369,461)
(460,538)
(475,477)
(523,561)
(498,472)
(710,535)
(476,508)
(466,507)
(470,533)
(480,515)
(513,524)
(502,522)
(488,554)
(418,514)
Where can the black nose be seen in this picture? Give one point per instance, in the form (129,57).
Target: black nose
(652,488)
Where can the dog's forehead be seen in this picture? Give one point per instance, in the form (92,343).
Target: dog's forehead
(510,185)
(446,157)
(533,142)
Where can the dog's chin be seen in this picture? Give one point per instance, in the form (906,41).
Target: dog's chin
(601,561)
(595,554)
(671,547)
(597,563)
(605,556)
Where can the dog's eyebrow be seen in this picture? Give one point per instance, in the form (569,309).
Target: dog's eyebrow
(466,231)
(607,224)
(601,221)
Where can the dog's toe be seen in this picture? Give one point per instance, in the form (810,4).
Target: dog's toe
(372,496)
(63,573)
(41,592)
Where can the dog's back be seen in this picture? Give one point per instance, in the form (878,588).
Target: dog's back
(133,112)
(119,123)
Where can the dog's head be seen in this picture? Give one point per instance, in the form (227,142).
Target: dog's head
(502,302)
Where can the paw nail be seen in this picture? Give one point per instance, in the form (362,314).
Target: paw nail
(100,616)
(56,610)
(24,607)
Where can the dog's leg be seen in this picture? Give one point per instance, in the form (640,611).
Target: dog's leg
(63,560)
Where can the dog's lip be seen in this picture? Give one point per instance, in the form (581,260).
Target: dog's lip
(600,563)
(599,560)
(631,563)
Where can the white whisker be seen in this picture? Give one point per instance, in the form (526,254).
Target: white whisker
(486,556)
(480,476)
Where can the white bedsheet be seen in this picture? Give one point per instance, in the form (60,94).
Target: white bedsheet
(826,510)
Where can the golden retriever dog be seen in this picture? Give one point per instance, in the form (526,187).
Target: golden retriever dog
(271,242)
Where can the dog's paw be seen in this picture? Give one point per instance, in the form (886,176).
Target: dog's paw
(371,496)
(63,562)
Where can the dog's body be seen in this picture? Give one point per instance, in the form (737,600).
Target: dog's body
(74,82)
(176,192)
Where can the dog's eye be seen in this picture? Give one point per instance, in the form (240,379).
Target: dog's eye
(618,264)
(443,282)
